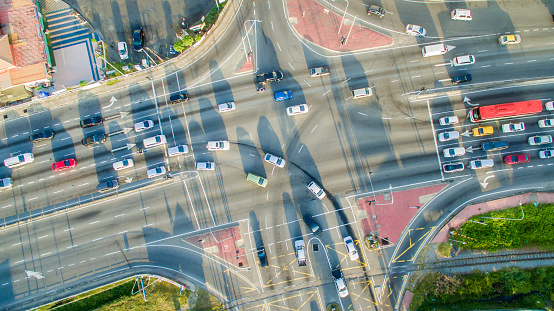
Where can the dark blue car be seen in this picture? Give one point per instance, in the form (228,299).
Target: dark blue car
(283,95)
(138,39)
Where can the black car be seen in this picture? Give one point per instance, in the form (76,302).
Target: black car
(262,256)
(376,10)
(107,186)
(461,78)
(91,122)
(44,135)
(93,140)
(313,226)
(453,167)
(138,39)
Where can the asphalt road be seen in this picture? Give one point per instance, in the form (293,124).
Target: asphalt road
(346,145)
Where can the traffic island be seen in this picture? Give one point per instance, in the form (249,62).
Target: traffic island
(321,26)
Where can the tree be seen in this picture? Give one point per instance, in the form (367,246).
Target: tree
(197,37)
(187,40)
(179,46)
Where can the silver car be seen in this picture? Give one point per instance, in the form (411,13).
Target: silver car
(316,190)
(547,153)
(446,136)
(479,164)
(351,248)
(539,140)
(454,152)
(155,172)
(275,160)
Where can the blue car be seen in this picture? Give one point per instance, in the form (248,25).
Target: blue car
(283,95)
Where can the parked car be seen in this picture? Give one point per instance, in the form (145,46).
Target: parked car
(275,160)
(123,164)
(298,109)
(376,10)
(316,230)
(547,153)
(218,145)
(92,140)
(316,190)
(64,165)
(494,145)
(446,136)
(454,152)
(539,140)
(513,127)
(479,164)
(453,167)
(143,125)
(415,30)
(351,248)
(516,158)
(122,50)
(282,95)
(463,60)
(91,122)
(177,150)
(340,283)
(483,131)
(138,39)
(42,136)
(262,256)
(466,77)
(546,123)
(226,107)
(156,171)
(6,183)
(205,166)
(107,186)
(509,39)
(448,120)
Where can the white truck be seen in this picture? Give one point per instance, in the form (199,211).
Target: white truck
(435,49)
(319,71)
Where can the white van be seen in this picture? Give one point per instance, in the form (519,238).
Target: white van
(363,92)
(154,141)
(434,50)
(461,15)
(19,160)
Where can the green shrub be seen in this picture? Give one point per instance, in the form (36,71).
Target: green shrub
(187,40)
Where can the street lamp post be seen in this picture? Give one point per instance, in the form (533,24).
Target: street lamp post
(347,3)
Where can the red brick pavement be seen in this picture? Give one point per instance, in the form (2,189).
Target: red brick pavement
(481,208)
(389,218)
(320,26)
(222,243)
(247,65)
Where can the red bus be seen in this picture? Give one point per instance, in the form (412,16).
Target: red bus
(502,111)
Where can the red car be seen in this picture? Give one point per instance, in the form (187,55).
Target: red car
(64,165)
(516,158)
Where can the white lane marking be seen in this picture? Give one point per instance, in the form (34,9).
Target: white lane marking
(6,206)
(119,215)
(313,129)
(121,233)
(94,222)
(16,244)
(300,148)
(279,46)
(44,236)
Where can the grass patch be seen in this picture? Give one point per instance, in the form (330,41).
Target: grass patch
(509,288)
(444,248)
(536,229)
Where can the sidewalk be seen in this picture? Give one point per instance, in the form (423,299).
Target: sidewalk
(319,25)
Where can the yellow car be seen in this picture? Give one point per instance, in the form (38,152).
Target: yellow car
(483,130)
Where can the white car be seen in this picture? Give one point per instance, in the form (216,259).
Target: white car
(547,153)
(143,125)
(155,172)
(205,166)
(339,282)
(415,30)
(454,152)
(546,123)
(463,60)
(446,136)
(123,164)
(122,50)
(275,160)
(513,127)
(539,140)
(479,164)
(177,150)
(298,109)
(316,190)
(6,183)
(448,120)
(213,145)
(226,107)
(351,248)
(549,106)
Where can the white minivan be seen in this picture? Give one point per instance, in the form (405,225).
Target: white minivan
(19,160)
(157,140)
(434,50)
(461,15)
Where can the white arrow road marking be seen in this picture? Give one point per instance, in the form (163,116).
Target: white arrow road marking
(484,184)
(112,101)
